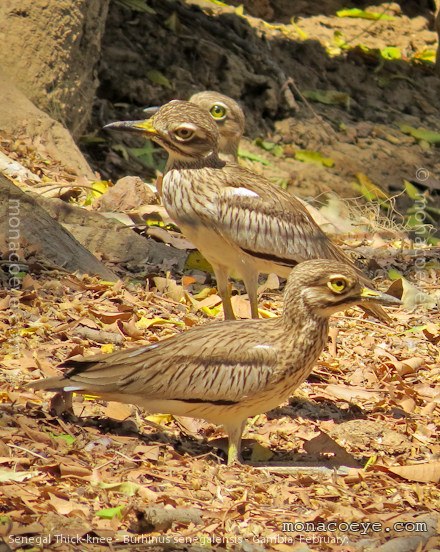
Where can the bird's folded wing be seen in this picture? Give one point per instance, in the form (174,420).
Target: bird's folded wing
(264,229)
(209,365)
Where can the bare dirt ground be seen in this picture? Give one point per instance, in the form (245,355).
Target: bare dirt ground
(90,481)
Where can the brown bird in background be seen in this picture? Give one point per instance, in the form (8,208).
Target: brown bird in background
(230,120)
(236,218)
(225,372)
(228,116)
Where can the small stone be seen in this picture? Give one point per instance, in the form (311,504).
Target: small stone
(128,193)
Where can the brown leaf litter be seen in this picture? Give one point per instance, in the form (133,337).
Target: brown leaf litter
(372,402)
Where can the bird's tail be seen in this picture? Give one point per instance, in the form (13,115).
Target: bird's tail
(59,383)
(98,374)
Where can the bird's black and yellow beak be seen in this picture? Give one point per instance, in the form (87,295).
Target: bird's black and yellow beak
(374,296)
(145,126)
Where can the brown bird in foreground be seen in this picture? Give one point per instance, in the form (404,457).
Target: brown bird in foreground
(236,218)
(225,372)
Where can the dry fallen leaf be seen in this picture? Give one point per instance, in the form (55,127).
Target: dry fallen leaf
(350,393)
(10,475)
(118,411)
(410,295)
(424,473)
(241,306)
(66,507)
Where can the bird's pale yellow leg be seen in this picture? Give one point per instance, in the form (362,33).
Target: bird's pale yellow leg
(234,432)
(250,278)
(222,275)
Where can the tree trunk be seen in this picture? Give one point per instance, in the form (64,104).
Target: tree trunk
(26,229)
(20,119)
(109,239)
(50,50)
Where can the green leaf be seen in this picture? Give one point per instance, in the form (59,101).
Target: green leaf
(302,34)
(157,77)
(146,152)
(173,23)
(369,189)
(421,133)
(362,14)
(424,231)
(328,97)
(394,274)
(307,156)
(122,150)
(252,157)
(370,462)
(391,52)
(260,453)
(63,437)
(426,56)
(90,140)
(128,488)
(196,261)
(412,191)
(415,329)
(275,149)
(145,156)
(110,513)
(99,187)
(339,40)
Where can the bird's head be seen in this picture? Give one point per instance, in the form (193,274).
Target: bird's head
(227,115)
(325,287)
(183,129)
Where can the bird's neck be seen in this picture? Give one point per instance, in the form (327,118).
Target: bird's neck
(298,319)
(229,149)
(308,333)
(212,160)
(230,157)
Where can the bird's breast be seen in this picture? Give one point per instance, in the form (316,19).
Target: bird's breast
(190,200)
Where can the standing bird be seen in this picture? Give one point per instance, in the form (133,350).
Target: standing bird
(236,218)
(229,118)
(227,115)
(225,372)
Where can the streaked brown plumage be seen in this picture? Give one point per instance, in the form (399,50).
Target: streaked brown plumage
(226,371)
(239,221)
(227,115)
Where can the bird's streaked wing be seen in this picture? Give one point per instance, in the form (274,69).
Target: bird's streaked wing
(208,364)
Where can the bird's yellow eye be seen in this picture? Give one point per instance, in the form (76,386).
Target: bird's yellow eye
(184,133)
(218,111)
(337,284)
